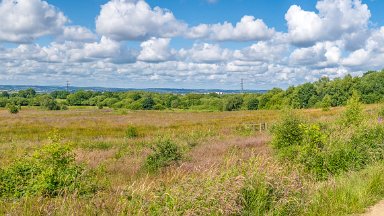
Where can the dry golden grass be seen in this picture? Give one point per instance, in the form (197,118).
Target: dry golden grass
(219,159)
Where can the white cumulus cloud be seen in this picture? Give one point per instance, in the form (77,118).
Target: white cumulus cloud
(22,21)
(136,20)
(155,50)
(248,29)
(336,18)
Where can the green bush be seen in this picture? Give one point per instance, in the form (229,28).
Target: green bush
(253,103)
(233,103)
(50,171)
(3,102)
(49,103)
(148,103)
(13,108)
(165,153)
(326,103)
(353,114)
(131,132)
(288,132)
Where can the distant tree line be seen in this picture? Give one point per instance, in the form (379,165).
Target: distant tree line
(323,93)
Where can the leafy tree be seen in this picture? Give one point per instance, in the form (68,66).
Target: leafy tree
(354,111)
(60,94)
(4,94)
(28,93)
(148,103)
(233,103)
(49,103)
(326,103)
(13,108)
(3,102)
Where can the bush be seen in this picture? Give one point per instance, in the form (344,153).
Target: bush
(50,171)
(148,103)
(353,114)
(131,132)
(288,132)
(3,102)
(49,103)
(233,103)
(326,103)
(253,104)
(12,108)
(165,153)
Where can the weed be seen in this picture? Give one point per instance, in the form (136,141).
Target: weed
(131,132)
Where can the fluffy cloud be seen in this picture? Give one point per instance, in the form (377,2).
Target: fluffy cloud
(265,51)
(77,33)
(336,18)
(136,20)
(205,53)
(248,29)
(325,54)
(23,21)
(333,41)
(155,50)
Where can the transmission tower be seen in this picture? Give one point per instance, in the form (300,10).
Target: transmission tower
(67,86)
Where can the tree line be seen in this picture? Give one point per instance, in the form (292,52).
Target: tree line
(323,93)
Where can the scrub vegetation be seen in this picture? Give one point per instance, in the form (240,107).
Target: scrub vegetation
(88,160)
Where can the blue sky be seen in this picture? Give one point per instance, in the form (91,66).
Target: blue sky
(188,43)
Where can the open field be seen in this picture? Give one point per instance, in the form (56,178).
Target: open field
(223,164)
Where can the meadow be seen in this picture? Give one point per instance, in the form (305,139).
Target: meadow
(191,163)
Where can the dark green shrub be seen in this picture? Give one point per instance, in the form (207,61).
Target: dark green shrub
(253,104)
(49,103)
(148,103)
(3,102)
(131,132)
(165,153)
(233,103)
(50,171)
(13,108)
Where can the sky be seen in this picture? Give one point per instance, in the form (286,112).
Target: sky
(188,43)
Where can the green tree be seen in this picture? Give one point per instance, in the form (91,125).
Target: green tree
(4,94)
(326,103)
(353,114)
(233,103)
(49,103)
(148,103)
(13,108)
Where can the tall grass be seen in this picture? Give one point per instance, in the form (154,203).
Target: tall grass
(208,167)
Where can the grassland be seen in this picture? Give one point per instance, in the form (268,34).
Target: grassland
(224,165)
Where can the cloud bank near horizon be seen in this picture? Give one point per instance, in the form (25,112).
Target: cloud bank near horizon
(335,40)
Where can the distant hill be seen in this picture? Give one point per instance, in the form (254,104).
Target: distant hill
(47,89)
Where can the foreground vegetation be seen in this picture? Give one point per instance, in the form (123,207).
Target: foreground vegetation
(120,162)
(324,93)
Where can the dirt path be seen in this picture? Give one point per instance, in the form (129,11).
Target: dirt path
(376,210)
